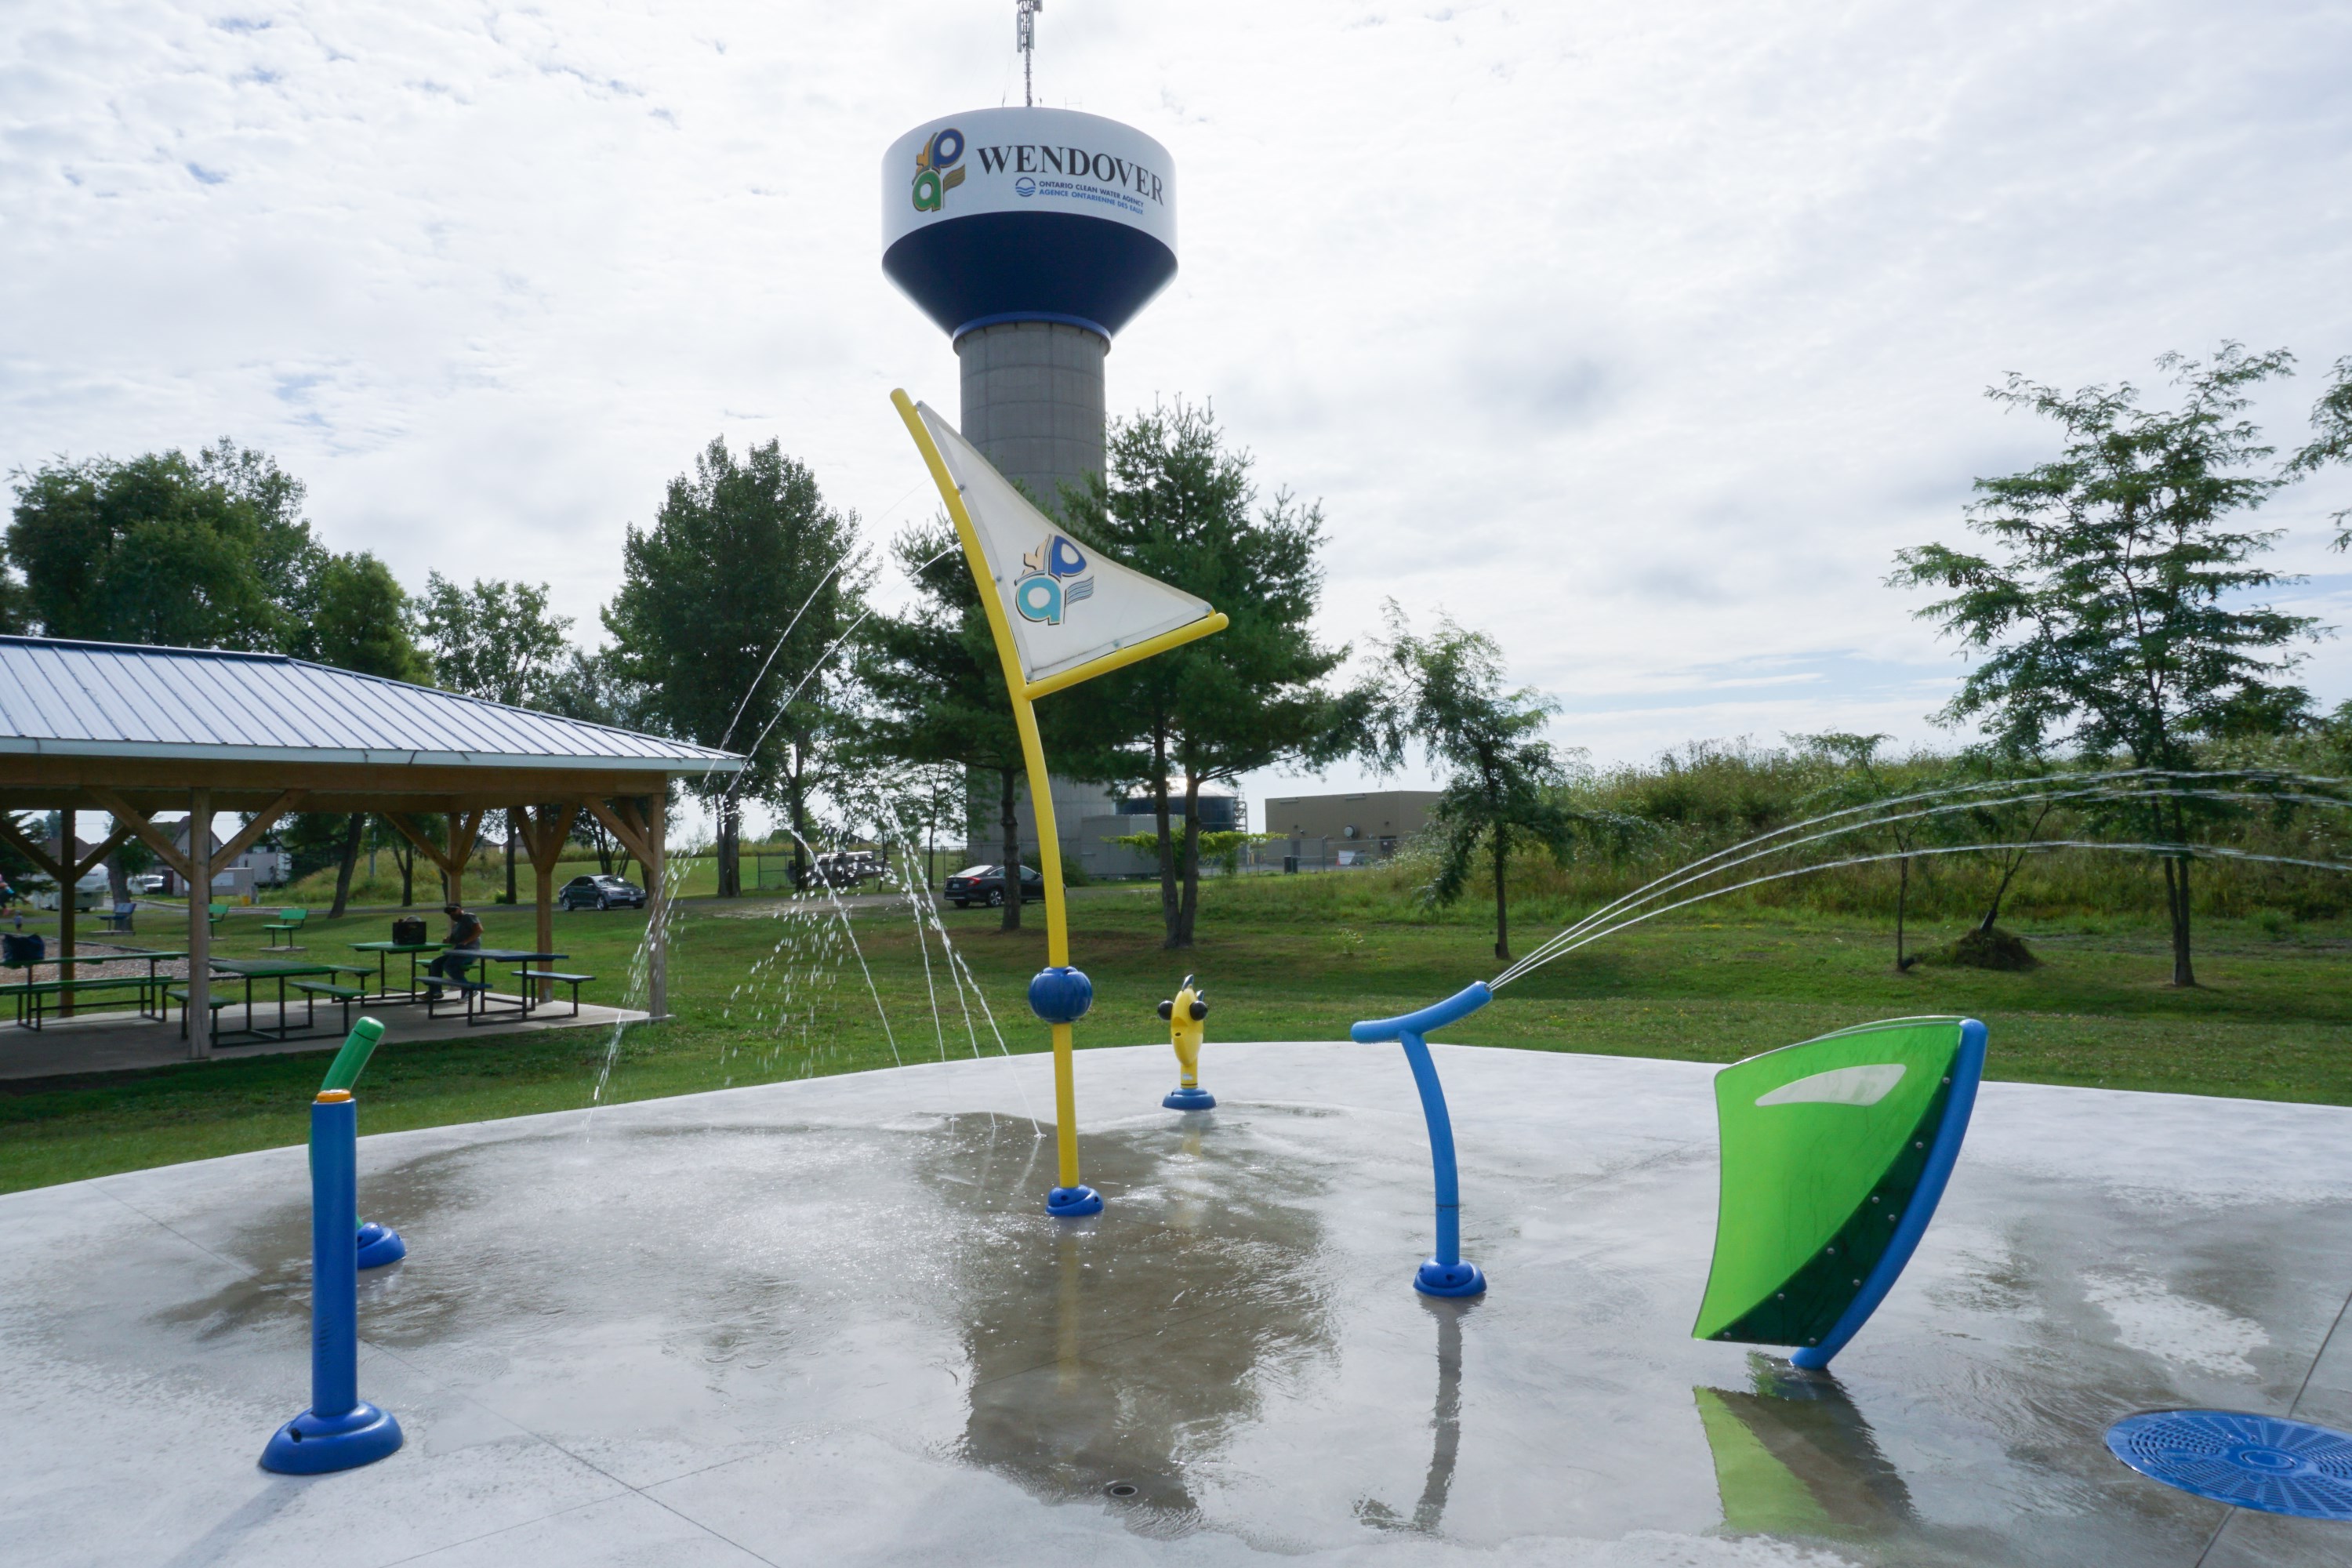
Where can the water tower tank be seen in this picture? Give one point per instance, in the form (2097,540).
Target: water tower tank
(1030,236)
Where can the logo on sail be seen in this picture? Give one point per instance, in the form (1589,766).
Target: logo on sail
(1049,581)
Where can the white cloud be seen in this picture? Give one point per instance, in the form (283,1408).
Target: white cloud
(1641,339)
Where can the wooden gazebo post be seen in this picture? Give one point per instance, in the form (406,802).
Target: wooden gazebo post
(200,924)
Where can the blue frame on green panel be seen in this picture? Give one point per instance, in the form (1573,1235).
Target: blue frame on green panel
(1447,1272)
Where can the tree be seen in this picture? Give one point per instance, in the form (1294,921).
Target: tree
(358,619)
(1176,503)
(495,641)
(2110,610)
(936,687)
(731,610)
(593,687)
(2331,440)
(1855,781)
(208,553)
(1507,783)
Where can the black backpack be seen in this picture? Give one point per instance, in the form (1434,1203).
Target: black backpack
(409,930)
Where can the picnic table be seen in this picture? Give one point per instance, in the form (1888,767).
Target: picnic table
(479,1001)
(252,969)
(32,996)
(384,952)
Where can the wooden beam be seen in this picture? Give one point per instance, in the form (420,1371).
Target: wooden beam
(14,836)
(630,830)
(409,830)
(262,820)
(114,841)
(142,822)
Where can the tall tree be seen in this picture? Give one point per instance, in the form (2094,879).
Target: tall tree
(2113,607)
(358,619)
(495,640)
(212,552)
(2331,440)
(1177,502)
(1505,784)
(936,687)
(731,615)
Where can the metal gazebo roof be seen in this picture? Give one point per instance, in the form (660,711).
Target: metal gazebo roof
(88,700)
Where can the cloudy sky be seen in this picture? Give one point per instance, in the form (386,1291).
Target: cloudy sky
(1639,336)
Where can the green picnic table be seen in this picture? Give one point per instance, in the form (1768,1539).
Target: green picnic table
(384,952)
(32,996)
(251,969)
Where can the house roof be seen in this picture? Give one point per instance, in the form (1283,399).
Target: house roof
(63,699)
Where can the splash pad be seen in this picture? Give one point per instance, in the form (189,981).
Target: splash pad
(826,1320)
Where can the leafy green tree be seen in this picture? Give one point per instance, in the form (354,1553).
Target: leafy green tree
(732,608)
(2331,440)
(359,620)
(212,552)
(1506,784)
(495,640)
(2111,609)
(1176,503)
(934,685)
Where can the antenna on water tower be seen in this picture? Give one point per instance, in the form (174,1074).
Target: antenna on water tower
(1025,36)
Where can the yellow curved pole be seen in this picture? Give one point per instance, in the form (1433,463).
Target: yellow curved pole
(1041,795)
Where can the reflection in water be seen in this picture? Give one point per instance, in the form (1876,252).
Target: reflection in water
(1796,1458)
(1114,1361)
(1446,1422)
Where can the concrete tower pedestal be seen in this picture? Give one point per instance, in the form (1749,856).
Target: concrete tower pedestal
(1032,403)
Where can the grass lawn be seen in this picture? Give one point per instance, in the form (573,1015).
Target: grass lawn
(770,997)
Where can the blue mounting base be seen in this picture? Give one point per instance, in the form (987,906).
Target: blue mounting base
(1073,1202)
(312,1445)
(1189,1100)
(1463,1279)
(380,1245)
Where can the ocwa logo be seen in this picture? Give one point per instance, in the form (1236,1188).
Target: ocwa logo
(936,171)
(1041,593)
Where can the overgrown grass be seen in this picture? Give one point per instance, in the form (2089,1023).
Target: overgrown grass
(762,998)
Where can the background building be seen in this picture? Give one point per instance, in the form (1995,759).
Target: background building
(1320,831)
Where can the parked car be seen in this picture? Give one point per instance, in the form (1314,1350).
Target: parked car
(599,893)
(147,884)
(985,884)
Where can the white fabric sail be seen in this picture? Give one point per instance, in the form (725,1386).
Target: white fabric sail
(1067,604)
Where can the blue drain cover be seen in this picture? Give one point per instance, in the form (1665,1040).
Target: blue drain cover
(2233,1456)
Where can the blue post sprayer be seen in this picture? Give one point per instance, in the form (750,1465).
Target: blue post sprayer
(1447,1273)
(341,1430)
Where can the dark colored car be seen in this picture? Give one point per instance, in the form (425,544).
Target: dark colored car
(599,893)
(985,884)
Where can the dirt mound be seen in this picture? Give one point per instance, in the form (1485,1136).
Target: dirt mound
(1994,949)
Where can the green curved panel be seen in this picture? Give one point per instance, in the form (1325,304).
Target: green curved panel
(1823,1144)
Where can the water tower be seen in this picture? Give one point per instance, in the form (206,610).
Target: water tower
(1030,236)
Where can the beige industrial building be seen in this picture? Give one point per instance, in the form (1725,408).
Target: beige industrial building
(1334,830)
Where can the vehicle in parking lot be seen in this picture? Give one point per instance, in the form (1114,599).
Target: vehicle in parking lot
(599,893)
(985,884)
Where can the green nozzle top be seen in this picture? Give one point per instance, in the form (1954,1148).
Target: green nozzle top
(352,1059)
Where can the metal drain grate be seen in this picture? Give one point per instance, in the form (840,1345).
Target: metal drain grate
(2253,1461)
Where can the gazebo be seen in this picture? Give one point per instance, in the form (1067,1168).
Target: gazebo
(137,731)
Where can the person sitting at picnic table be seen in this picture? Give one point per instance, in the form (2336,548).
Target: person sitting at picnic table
(465,931)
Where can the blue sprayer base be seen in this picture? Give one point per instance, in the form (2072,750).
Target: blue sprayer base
(1189,1100)
(312,1445)
(380,1245)
(1463,1279)
(1073,1202)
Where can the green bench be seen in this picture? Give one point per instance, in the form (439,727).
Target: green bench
(468,991)
(214,915)
(180,994)
(289,922)
(32,996)
(313,989)
(575,981)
